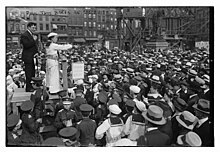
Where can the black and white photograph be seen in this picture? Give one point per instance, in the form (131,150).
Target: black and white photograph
(109,76)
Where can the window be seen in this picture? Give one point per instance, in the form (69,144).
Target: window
(111,27)
(99,26)
(94,15)
(85,24)
(85,33)
(103,18)
(11,27)
(17,27)
(90,16)
(40,18)
(103,25)
(47,18)
(90,24)
(111,19)
(34,17)
(94,33)
(107,28)
(90,33)
(94,24)
(53,19)
(115,19)
(99,18)
(47,27)
(103,12)
(41,27)
(84,15)
(58,19)
(22,27)
(64,19)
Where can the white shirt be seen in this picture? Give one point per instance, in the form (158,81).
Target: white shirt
(53,48)
(134,129)
(113,133)
(202,121)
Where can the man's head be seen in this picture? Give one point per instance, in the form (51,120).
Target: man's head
(32,27)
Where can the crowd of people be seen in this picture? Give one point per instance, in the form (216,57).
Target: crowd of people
(148,99)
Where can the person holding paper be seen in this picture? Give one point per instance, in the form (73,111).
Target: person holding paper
(52,63)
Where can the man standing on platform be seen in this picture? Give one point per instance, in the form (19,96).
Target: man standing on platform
(28,41)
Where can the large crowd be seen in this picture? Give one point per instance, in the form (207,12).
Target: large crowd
(149,99)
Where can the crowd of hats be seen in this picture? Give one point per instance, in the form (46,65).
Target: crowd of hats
(168,68)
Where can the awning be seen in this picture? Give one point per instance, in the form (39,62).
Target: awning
(92,39)
(62,35)
(82,40)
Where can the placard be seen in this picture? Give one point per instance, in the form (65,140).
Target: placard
(78,70)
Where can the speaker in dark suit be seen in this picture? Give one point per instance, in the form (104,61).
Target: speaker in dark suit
(28,41)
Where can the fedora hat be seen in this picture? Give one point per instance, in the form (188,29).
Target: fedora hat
(154,114)
(186,119)
(191,139)
(202,106)
(180,104)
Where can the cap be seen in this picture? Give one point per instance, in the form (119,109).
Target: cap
(12,120)
(112,102)
(52,34)
(53,141)
(138,78)
(180,104)
(130,103)
(37,80)
(116,97)
(27,105)
(68,132)
(62,93)
(85,107)
(114,109)
(102,97)
(66,101)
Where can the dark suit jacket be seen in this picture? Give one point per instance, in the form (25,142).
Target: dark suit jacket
(205,95)
(29,47)
(154,138)
(205,134)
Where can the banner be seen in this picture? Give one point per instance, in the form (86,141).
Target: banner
(78,70)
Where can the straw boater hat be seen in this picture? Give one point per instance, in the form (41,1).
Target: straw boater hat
(52,34)
(191,139)
(154,114)
(187,120)
(155,79)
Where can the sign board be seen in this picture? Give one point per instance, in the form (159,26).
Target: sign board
(78,70)
(202,44)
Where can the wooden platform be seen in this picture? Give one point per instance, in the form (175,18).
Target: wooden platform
(20,96)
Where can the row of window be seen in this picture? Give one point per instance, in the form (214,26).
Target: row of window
(93,24)
(104,12)
(40,17)
(90,33)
